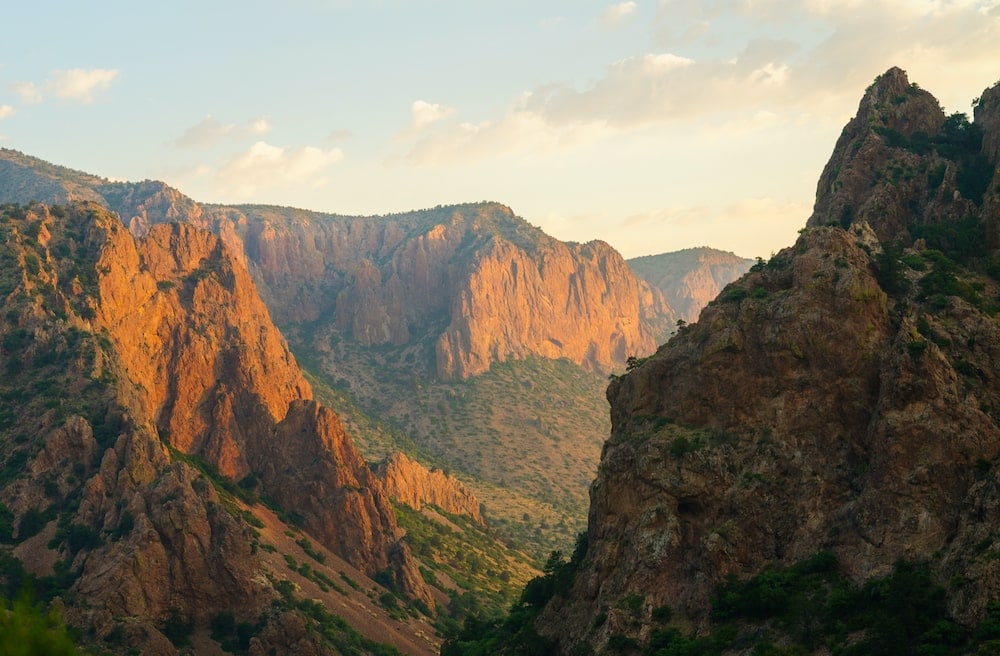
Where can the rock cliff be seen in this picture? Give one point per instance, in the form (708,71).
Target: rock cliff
(839,398)
(474,283)
(477,282)
(140,375)
(410,483)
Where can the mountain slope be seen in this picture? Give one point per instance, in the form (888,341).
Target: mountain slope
(833,414)
(142,379)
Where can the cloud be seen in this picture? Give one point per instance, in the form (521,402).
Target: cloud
(258,126)
(521,129)
(617,13)
(80,84)
(264,166)
(210,131)
(425,113)
(28,92)
(77,84)
(812,58)
(5,111)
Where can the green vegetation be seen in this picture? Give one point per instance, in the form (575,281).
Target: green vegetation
(958,140)
(803,609)
(26,629)
(559,415)
(516,634)
(177,629)
(331,629)
(234,637)
(487,574)
(312,553)
(950,266)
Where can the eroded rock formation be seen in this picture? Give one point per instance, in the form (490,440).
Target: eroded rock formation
(410,483)
(840,397)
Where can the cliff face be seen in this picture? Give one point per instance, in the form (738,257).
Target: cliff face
(840,397)
(217,378)
(429,277)
(410,483)
(127,364)
(581,302)
(474,280)
(691,278)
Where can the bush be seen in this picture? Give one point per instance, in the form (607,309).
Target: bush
(177,629)
(31,523)
(27,630)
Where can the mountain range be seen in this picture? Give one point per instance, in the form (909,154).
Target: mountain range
(456,333)
(167,473)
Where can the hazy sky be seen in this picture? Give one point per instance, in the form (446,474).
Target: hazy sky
(654,125)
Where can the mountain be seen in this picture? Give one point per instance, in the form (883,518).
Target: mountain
(812,466)
(691,278)
(150,411)
(460,334)
(471,284)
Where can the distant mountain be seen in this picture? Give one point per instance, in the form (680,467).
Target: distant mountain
(812,467)
(689,279)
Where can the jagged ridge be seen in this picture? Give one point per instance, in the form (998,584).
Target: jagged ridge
(840,397)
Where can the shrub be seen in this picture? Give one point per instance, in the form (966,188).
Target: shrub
(177,629)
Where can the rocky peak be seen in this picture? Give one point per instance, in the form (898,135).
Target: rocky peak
(412,484)
(404,280)
(838,399)
(885,161)
(987,115)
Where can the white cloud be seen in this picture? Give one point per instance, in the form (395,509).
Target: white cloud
(521,129)
(264,166)
(816,57)
(617,13)
(425,113)
(770,74)
(210,131)
(77,84)
(28,92)
(5,111)
(259,126)
(80,84)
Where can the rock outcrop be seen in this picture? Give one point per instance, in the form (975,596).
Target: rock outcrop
(840,398)
(140,374)
(412,484)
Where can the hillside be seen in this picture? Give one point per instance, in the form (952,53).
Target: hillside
(812,466)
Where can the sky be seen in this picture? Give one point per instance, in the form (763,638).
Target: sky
(654,125)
